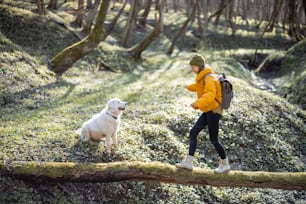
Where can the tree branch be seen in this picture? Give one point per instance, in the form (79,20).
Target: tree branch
(149,171)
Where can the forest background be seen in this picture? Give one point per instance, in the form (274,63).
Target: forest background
(62,60)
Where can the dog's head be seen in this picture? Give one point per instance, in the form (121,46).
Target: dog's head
(116,106)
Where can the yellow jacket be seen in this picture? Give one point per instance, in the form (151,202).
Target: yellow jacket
(208,93)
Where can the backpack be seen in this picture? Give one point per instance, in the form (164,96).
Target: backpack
(226,90)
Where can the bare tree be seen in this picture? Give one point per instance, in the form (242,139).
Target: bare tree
(276,10)
(66,58)
(304,5)
(79,18)
(218,13)
(89,18)
(41,7)
(141,46)
(114,21)
(52,5)
(131,22)
(145,14)
(294,29)
(182,29)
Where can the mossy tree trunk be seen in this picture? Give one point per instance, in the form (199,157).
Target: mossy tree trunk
(275,59)
(65,59)
(149,171)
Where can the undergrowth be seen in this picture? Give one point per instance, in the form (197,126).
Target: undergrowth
(40,114)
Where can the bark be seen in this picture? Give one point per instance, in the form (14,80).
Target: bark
(294,29)
(65,59)
(89,4)
(275,59)
(88,21)
(230,16)
(276,10)
(79,18)
(52,5)
(140,47)
(145,14)
(114,21)
(181,30)
(131,22)
(149,171)
(200,26)
(41,7)
(304,6)
(218,12)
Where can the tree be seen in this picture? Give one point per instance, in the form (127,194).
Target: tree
(142,45)
(115,19)
(41,7)
(79,18)
(145,14)
(149,171)
(52,5)
(293,18)
(89,19)
(131,22)
(304,6)
(276,10)
(64,60)
(182,29)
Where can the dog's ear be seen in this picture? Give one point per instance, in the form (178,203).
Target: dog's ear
(111,104)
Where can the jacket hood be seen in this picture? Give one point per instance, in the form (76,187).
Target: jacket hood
(200,76)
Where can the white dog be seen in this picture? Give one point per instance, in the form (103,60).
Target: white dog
(104,124)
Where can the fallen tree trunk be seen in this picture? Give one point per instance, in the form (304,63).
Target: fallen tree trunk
(149,171)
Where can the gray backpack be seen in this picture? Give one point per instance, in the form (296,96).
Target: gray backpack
(226,90)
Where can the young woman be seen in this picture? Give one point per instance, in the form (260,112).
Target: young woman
(208,90)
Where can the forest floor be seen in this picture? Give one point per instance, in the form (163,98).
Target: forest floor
(40,112)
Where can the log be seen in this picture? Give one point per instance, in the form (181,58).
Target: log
(149,171)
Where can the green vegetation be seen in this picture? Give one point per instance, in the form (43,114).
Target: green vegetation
(39,114)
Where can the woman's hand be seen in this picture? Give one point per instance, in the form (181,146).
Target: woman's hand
(194,106)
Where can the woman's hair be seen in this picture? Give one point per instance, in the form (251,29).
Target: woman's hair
(201,68)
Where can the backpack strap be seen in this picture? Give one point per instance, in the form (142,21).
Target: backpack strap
(204,78)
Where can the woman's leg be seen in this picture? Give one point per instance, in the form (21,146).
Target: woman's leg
(213,130)
(195,130)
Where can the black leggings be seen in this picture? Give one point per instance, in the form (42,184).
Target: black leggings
(211,120)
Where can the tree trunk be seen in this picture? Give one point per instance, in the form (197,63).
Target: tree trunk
(114,21)
(292,18)
(304,5)
(149,171)
(181,30)
(140,47)
(52,5)
(65,59)
(88,21)
(275,59)
(79,18)
(200,26)
(218,13)
(145,14)
(41,7)
(276,10)
(89,5)
(130,24)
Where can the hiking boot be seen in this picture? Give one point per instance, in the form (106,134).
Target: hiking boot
(223,166)
(186,163)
